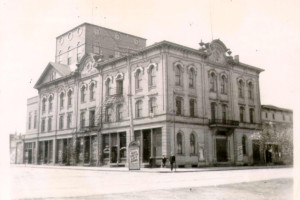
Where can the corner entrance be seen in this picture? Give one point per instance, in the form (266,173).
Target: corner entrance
(221,148)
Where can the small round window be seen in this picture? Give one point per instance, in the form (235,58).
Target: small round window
(136,41)
(117,36)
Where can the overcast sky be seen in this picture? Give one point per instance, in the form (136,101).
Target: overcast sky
(264,33)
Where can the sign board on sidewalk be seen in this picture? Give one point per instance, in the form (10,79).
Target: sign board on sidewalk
(134,155)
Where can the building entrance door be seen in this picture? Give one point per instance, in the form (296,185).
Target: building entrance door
(256,151)
(221,148)
(114,154)
(29,156)
(146,145)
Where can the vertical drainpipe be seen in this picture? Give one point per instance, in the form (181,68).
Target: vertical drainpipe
(38,128)
(230,79)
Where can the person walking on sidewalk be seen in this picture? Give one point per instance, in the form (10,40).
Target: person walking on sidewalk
(164,160)
(172,160)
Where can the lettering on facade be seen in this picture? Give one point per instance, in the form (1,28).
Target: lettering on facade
(134,156)
(240,153)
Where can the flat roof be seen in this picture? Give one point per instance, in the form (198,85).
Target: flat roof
(85,23)
(271,107)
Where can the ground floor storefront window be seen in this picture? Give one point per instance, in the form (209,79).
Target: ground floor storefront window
(29,151)
(150,143)
(45,152)
(114,148)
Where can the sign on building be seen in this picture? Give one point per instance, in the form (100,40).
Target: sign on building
(240,153)
(134,155)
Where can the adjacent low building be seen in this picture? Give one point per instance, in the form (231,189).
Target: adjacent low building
(202,104)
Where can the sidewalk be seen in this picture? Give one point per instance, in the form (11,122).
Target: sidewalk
(151,170)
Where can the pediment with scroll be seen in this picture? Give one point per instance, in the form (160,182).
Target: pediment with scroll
(89,68)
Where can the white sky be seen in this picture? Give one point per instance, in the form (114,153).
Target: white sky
(264,33)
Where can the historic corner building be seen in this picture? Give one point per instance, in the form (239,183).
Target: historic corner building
(202,104)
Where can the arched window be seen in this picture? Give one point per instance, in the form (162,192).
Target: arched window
(242,113)
(44,105)
(250,90)
(223,84)
(119,112)
(241,88)
(70,98)
(50,103)
(62,99)
(244,144)
(213,82)
(138,109)
(213,109)
(82,93)
(92,92)
(193,143)
(108,87)
(152,106)
(178,75)
(192,78)
(179,143)
(120,87)
(152,76)
(138,79)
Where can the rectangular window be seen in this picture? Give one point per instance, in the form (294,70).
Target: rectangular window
(35,119)
(119,87)
(43,125)
(192,108)
(69,60)
(138,109)
(213,111)
(29,121)
(266,115)
(82,120)
(119,113)
(178,106)
(49,123)
(224,113)
(61,122)
(123,145)
(273,116)
(251,112)
(242,114)
(69,120)
(92,118)
(108,114)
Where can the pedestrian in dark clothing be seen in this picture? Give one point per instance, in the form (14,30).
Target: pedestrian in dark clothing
(172,160)
(164,160)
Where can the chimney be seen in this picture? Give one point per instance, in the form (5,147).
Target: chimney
(236,58)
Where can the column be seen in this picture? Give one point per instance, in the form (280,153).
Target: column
(43,152)
(142,145)
(36,152)
(109,144)
(91,153)
(151,139)
(54,151)
(118,147)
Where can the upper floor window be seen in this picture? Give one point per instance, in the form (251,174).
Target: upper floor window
(82,94)
(213,110)
(79,51)
(138,109)
(244,144)
(43,125)
(108,87)
(52,76)
(192,107)
(192,143)
(192,76)
(283,117)
(44,105)
(96,48)
(120,87)
(241,88)
(92,118)
(179,143)
(49,123)
(62,100)
(50,103)
(108,114)
(273,116)
(35,119)
(92,92)
(213,82)
(152,106)
(179,107)
(223,84)
(69,56)
(82,119)
(251,113)
(70,98)
(224,113)
(152,76)
(266,115)
(61,122)
(178,75)
(250,90)
(138,79)
(69,120)
(29,121)
(59,57)
(119,112)
(242,113)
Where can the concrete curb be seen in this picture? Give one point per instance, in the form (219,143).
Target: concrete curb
(153,170)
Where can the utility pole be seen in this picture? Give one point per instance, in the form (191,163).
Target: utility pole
(130,98)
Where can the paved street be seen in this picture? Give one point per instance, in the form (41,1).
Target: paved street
(61,183)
